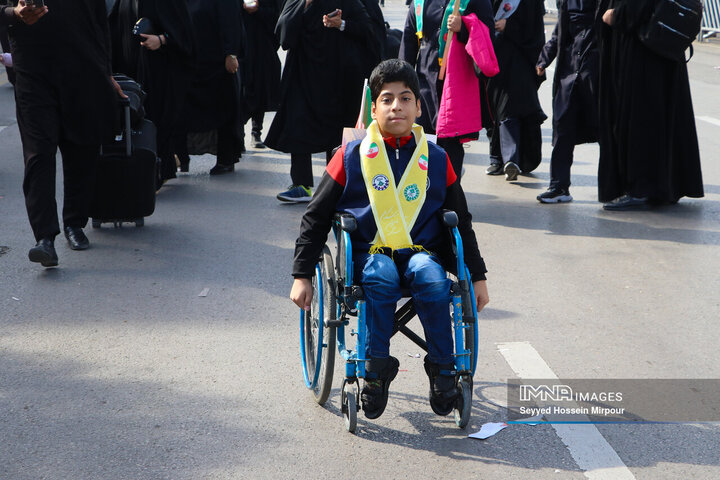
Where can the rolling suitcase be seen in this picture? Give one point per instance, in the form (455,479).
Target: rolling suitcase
(126,175)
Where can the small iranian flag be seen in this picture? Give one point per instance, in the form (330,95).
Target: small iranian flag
(373,150)
(364,117)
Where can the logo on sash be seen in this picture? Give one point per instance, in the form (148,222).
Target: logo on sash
(423,162)
(380,182)
(373,150)
(411,192)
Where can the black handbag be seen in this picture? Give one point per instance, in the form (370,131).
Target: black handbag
(143,25)
(673,26)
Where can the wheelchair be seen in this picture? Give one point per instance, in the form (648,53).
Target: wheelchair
(337,299)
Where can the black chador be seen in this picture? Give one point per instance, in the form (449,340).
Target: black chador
(573,47)
(163,73)
(515,136)
(648,142)
(261,64)
(214,101)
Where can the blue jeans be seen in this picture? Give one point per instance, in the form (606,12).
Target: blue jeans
(382,280)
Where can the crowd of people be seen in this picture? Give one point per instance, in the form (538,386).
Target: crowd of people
(210,66)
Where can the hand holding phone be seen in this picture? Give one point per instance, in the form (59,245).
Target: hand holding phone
(30,11)
(333,19)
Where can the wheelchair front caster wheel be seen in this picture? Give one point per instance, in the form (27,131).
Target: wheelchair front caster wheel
(349,407)
(464,404)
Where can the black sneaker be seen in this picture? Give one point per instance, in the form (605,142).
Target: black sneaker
(494,169)
(555,195)
(257,142)
(443,388)
(511,171)
(379,372)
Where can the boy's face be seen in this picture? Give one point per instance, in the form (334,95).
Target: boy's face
(395,110)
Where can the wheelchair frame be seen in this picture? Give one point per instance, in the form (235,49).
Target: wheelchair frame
(336,298)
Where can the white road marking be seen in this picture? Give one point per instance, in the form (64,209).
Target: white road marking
(3,127)
(589,449)
(712,120)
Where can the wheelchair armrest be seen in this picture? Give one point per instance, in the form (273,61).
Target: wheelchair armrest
(449,218)
(348,223)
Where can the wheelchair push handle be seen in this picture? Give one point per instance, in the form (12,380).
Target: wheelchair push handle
(348,223)
(449,218)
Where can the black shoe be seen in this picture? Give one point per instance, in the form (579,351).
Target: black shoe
(44,253)
(379,372)
(443,387)
(555,195)
(494,169)
(511,171)
(257,142)
(183,163)
(627,202)
(219,169)
(76,238)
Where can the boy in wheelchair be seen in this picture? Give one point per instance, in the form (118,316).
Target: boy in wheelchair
(395,184)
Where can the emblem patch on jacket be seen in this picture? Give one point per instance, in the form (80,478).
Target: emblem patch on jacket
(380,182)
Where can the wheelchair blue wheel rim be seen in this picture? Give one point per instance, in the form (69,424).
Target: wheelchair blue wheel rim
(305,324)
(473,302)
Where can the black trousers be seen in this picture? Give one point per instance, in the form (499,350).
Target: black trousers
(301,168)
(257,123)
(41,132)
(505,141)
(79,163)
(455,151)
(564,147)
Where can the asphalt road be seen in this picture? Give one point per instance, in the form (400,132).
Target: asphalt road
(113,367)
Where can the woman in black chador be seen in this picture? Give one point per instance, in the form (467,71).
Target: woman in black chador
(163,63)
(213,106)
(515,136)
(261,64)
(321,87)
(648,142)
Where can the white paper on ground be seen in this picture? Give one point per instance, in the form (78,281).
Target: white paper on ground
(204,292)
(488,430)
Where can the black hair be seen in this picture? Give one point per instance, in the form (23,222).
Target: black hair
(393,70)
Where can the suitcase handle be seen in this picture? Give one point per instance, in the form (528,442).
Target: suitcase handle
(128,130)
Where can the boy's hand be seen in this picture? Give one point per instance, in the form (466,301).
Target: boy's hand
(481,294)
(500,25)
(302,292)
(540,71)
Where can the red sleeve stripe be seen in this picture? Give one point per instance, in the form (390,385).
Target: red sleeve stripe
(451,176)
(336,167)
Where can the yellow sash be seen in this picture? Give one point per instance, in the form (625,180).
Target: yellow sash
(395,208)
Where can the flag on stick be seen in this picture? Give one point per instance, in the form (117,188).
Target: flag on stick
(364,117)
